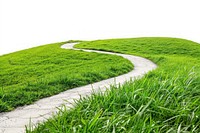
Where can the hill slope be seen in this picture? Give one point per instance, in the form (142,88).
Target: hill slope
(31,74)
(165,100)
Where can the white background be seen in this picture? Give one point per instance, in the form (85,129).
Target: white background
(29,23)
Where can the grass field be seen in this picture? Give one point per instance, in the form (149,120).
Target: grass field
(31,74)
(165,100)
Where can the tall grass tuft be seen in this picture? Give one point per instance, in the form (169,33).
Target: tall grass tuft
(161,103)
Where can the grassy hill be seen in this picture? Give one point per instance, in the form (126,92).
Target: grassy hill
(165,100)
(31,74)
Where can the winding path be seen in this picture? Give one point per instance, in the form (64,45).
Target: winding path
(15,121)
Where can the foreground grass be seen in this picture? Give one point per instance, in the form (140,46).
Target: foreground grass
(29,75)
(165,100)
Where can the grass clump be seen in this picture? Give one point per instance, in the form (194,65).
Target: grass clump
(154,104)
(31,74)
(165,100)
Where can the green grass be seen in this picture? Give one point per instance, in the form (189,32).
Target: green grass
(31,74)
(165,100)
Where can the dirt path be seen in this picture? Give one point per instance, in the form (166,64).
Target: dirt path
(15,121)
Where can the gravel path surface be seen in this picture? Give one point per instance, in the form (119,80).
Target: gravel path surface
(15,121)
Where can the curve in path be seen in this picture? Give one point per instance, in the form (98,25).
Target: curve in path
(15,121)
